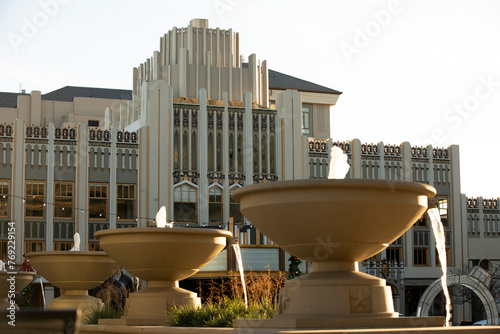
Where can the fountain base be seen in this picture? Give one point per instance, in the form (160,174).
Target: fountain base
(336,295)
(75,299)
(150,306)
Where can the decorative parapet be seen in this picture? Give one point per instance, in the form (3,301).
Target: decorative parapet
(369,149)
(33,131)
(99,135)
(65,133)
(318,146)
(419,152)
(392,150)
(474,203)
(490,203)
(126,137)
(345,146)
(441,153)
(5,130)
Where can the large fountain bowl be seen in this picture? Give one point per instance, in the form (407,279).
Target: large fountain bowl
(334,220)
(75,270)
(163,254)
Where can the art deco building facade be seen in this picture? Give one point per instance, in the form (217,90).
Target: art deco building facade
(198,123)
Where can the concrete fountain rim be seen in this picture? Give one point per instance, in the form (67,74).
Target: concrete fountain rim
(352,184)
(156,230)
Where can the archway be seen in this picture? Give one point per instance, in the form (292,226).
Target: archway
(477,285)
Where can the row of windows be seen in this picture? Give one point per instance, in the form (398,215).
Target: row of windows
(186,205)
(185,202)
(63,201)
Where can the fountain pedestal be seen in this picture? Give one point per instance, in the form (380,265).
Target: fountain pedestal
(334,224)
(75,272)
(162,256)
(20,280)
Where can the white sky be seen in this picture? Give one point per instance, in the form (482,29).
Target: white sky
(416,71)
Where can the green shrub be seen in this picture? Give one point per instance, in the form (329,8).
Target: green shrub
(220,314)
(102,312)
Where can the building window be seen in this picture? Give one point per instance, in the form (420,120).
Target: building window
(98,201)
(94,247)
(63,200)
(4,198)
(420,257)
(35,199)
(34,246)
(215,205)
(185,204)
(125,201)
(394,254)
(93,123)
(421,222)
(63,245)
(234,209)
(306,119)
(443,211)
(3,250)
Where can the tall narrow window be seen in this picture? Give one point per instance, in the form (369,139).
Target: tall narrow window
(210,152)
(35,199)
(185,151)
(125,201)
(306,119)
(256,154)
(194,151)
(263,153)
(185,204)
(4,198)
(240,154)
(63,199)
(219,152)
(176,150)
(272,155)
(98,201)
(215,205)
(234,210)
(231,153)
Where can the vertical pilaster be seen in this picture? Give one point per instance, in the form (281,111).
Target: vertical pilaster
(202,158)
(17,188)
(356,158)
(430,172)
(381,170)
(456,217)
(290,116)
(248,139)
(49,192)
(225,161)
(164,144)
(406,162)
(112,180)
(82,186)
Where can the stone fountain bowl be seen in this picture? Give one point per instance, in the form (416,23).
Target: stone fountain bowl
(163,254)
(23,278)
(334,220)
(75,270)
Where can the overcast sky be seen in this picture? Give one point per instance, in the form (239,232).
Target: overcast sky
(426,72)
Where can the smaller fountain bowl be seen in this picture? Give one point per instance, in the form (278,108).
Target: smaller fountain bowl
(73,270)
(22,279)
(334,220)
(162,254)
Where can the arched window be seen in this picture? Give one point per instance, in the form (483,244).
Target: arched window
(234,209)
(215,206)
(186,204)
